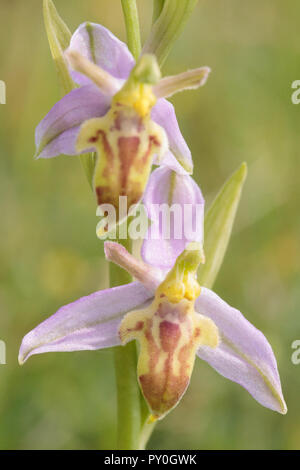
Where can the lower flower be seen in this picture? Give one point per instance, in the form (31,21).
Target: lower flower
(169,332)
(174,319)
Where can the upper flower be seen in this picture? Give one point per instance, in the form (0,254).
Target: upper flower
(126,138)
(57,133)
(120,111)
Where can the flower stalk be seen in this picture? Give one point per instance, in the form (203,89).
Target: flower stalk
(128,392)
(132,24)
(125,357)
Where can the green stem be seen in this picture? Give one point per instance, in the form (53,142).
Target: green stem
(132,27)
(145,435)
(128,400)
(125,357)
(128,392)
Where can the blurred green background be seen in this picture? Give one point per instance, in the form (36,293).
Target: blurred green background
(49,254)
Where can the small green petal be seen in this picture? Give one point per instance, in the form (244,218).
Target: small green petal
(218,226)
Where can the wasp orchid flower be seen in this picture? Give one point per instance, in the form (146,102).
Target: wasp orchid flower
(174,320)
(120,111)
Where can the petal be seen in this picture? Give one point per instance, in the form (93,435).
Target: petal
(190,80)
(150,277)
(57,132)
(163,244)
(108,84)
(100,46)
(89,323)
(163,114)
(244,354)
(170,161)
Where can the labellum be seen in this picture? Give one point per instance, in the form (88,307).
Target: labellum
(126,139)
(169,332)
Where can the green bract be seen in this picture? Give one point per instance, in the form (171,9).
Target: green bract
(218,226)
(59,37)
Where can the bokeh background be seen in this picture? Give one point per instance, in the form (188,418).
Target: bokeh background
(49,254)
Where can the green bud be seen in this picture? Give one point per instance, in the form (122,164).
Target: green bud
(157,8)
(168,27)
(218,226)
(147,70)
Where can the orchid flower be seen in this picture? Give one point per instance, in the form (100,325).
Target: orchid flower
(173,318)
(120,111)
